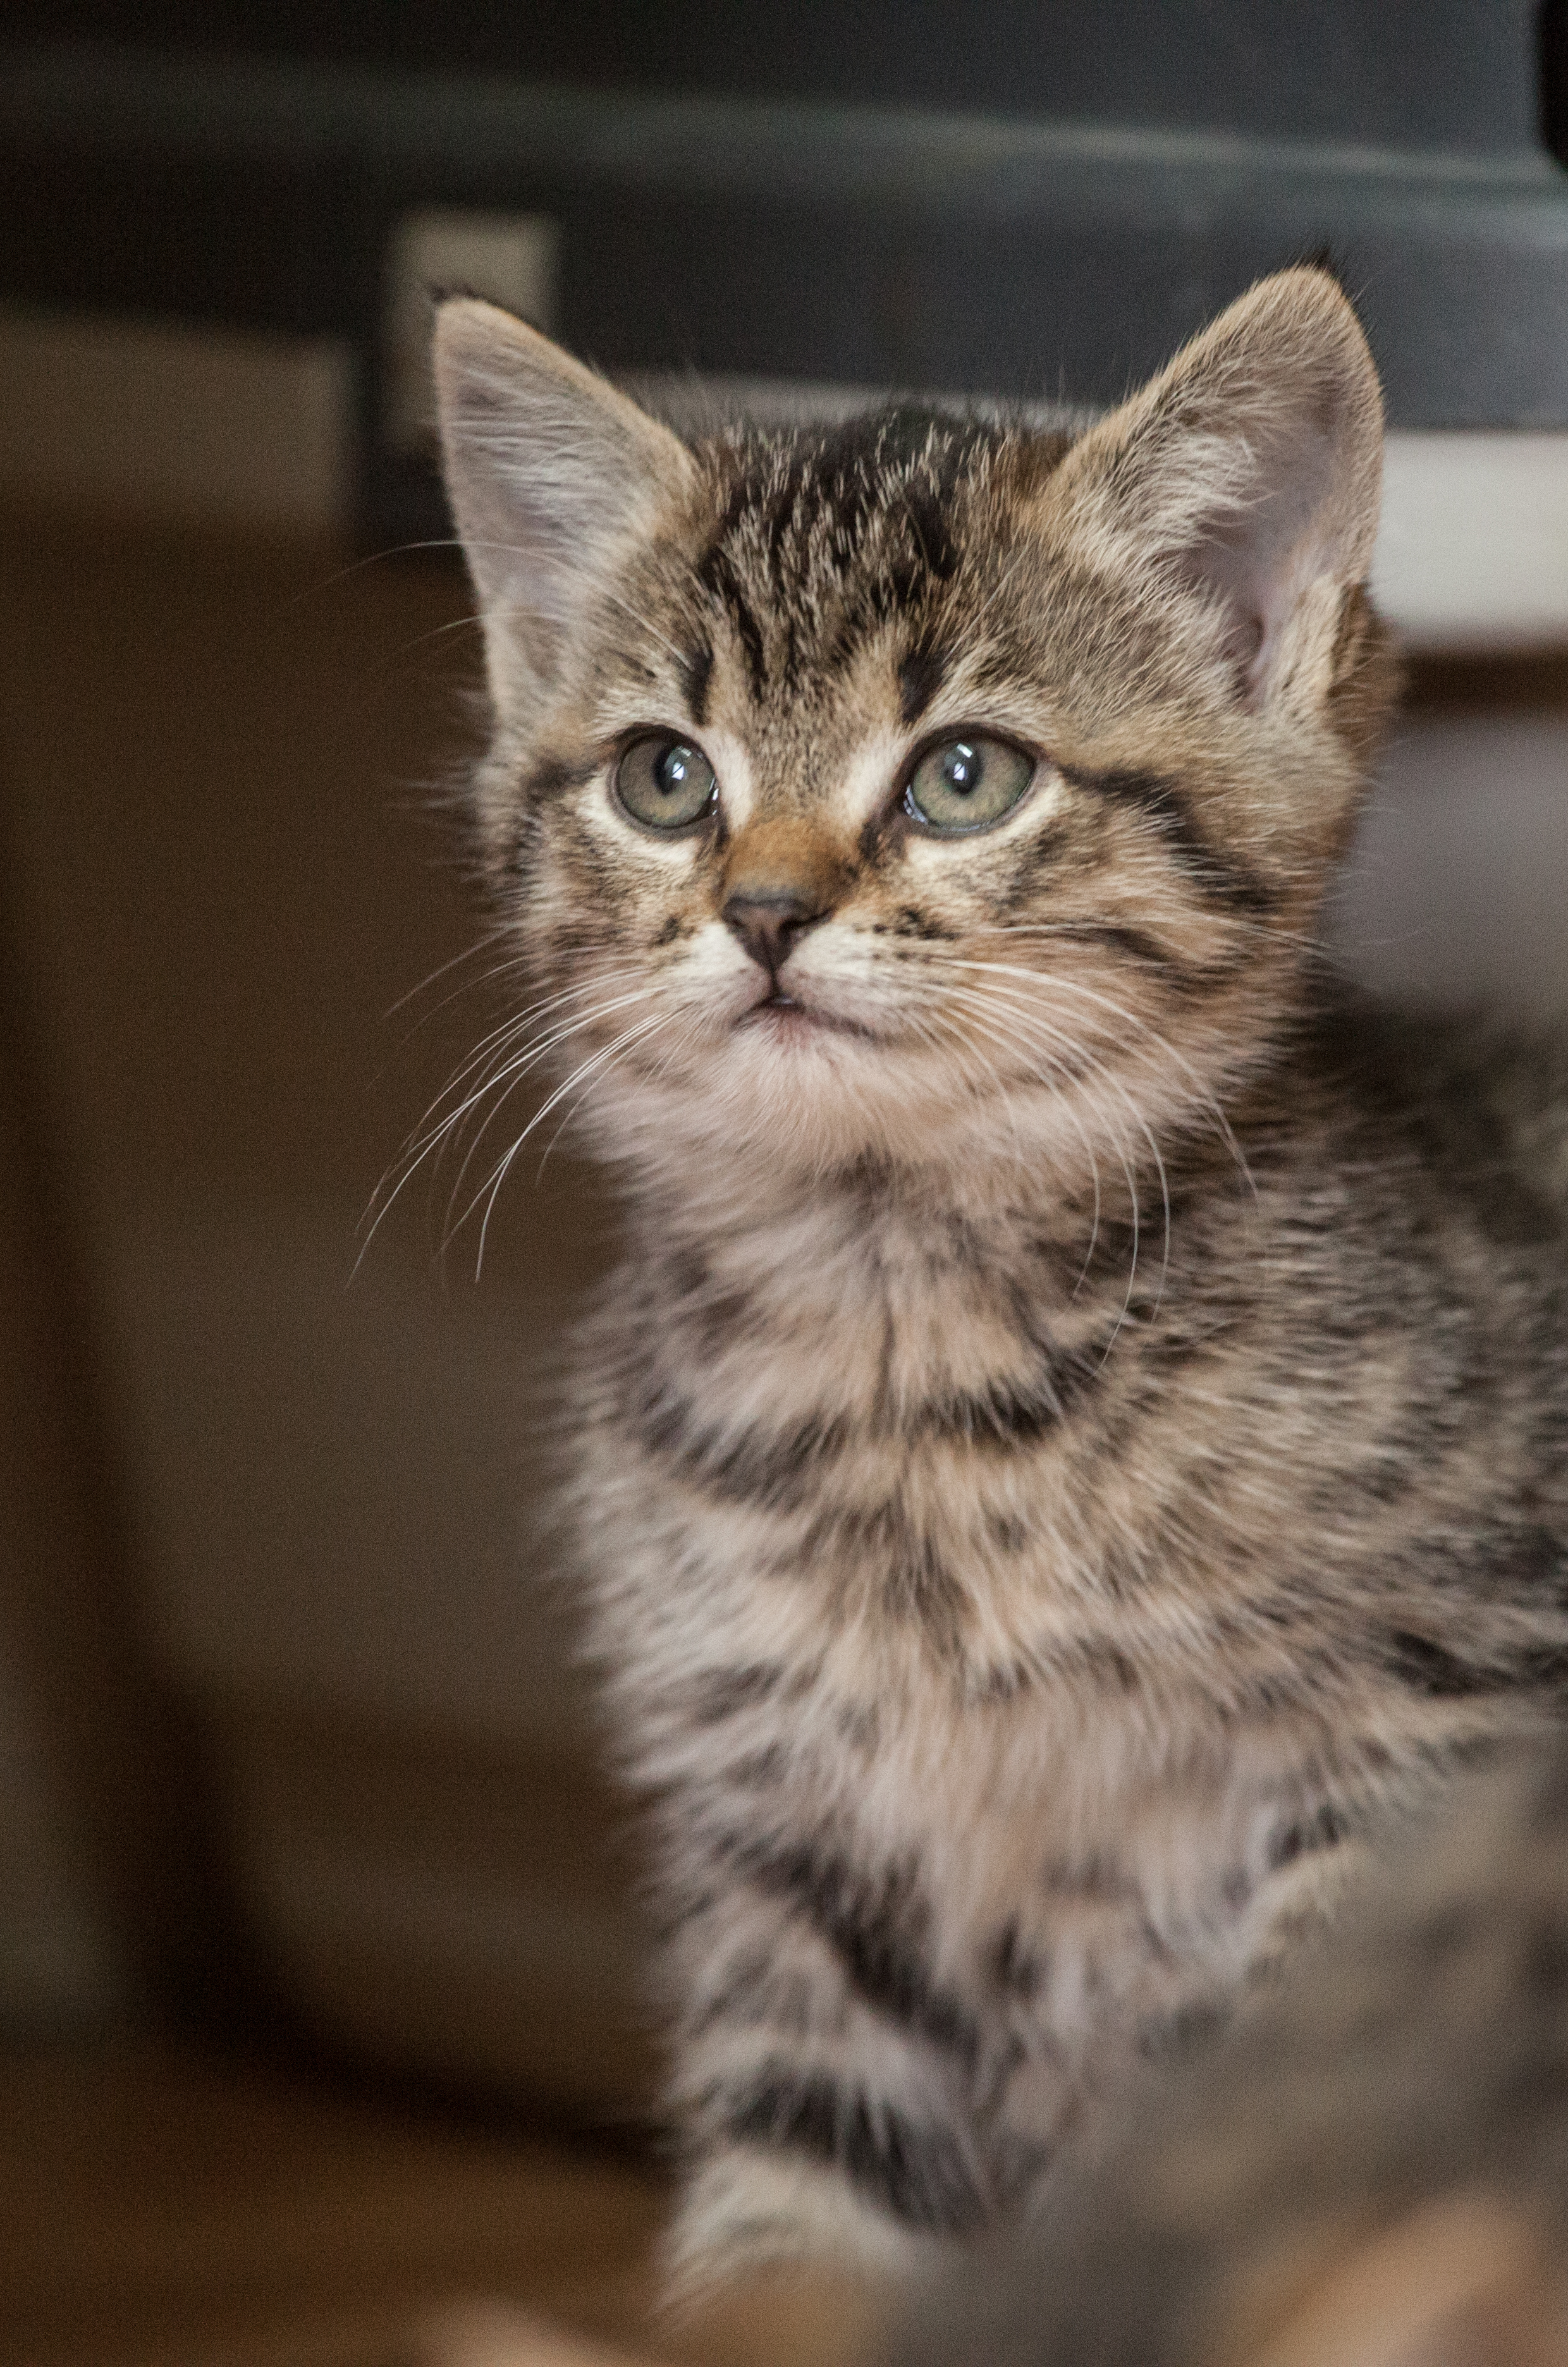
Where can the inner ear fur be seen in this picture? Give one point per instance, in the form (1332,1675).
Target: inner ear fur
(552,476)
(1249,473)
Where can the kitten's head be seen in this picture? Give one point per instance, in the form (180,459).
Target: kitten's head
(922,790)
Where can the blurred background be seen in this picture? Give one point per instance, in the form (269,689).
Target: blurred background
(297,1778)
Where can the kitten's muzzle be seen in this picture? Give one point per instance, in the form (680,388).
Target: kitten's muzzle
(769,922)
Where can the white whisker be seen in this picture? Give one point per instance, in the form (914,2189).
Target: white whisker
(502,1061)
(508,1073)
(1161,1047)
(1037,1025)
(1138,1117)
(490,1189)
(480,945)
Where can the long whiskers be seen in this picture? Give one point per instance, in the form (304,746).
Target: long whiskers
(490,1190)
(655,1073)
(494,1045)
(1034,1024)
(490,1073)
(497,1055)
(469,953)
(508,1072)
(982,1012)
(1157,1050)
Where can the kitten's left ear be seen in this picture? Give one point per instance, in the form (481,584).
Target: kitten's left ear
(1249,470)
(553,475)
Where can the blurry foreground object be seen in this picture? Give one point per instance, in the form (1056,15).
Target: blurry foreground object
(1461,2283)
(174,2206)
(1369,2168)
(786,2319)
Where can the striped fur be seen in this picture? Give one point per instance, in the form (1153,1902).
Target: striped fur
(1077,1437)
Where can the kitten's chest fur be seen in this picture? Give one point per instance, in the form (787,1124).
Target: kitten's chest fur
(1037,1468)
(1018,1621)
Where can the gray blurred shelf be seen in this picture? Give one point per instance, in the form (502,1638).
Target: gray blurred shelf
(793,238)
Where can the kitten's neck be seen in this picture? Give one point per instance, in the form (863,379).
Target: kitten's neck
(871,1231)
(1060,1167)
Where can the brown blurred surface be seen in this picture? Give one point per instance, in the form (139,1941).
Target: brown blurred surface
(318,1553)
(176,2205)
(1466,2280)
(170,2203)
(180,2206)
(304,1505)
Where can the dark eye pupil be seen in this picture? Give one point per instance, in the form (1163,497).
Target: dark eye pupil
(672,770)
(961,767)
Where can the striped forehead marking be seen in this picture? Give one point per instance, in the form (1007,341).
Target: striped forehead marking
(822,540)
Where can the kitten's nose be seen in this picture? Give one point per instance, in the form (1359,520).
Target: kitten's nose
(784,874)
(769,921)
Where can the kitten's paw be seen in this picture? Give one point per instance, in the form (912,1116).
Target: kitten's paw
(746,2208)
(791,2315)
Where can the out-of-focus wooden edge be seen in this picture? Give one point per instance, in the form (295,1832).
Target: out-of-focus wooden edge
(168,423)
(1463,2283)
(486,2335)
(793,2317)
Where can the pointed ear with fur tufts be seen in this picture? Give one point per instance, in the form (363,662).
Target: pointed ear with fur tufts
(1250,472)
(552,476)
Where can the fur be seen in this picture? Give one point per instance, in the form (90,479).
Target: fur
(1076,1440)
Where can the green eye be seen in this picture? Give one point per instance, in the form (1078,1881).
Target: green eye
(967,783)
(664,783)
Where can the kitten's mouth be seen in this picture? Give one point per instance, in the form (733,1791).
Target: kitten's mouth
(792,1021)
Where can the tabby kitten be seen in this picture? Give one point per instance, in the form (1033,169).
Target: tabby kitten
(1077,1439)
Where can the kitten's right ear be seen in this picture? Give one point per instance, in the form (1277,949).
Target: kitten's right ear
(1247,473)
(553,475)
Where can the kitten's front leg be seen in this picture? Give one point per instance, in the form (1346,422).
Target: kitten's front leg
(824,2079)
(865,2075)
